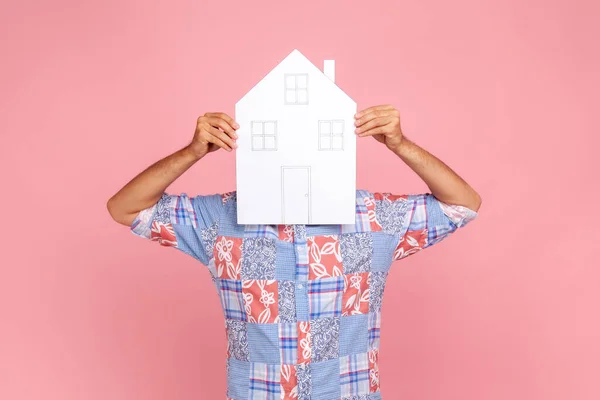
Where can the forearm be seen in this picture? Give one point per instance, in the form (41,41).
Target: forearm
(442,181)
(147,188)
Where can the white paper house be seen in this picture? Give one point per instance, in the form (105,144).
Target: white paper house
(296,160)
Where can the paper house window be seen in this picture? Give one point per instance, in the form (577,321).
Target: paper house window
(331,135)
(264,135)
(296,88)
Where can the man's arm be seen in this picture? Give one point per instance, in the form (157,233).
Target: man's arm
(213,131)
(383,123)
(444,183)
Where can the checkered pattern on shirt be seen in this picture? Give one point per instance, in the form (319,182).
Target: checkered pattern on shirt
(265,381)
(325,297)
(354,374)
(288,343)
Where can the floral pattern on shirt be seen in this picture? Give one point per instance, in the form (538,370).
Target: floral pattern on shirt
(163,233)
(356,294)
(289,382)
(228,257)
(304,342)
(411,243)
(374,370)
(261,300)
(324,257)
(370,204)
(286,233)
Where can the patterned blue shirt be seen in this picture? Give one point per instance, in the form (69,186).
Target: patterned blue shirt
(301,303)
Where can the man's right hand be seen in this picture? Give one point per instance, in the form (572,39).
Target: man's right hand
(214,131)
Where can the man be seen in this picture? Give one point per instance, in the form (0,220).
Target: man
(302,304)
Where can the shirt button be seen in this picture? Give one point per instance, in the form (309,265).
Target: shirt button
(299,286)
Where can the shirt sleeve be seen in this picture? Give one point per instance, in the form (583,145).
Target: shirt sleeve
(418,221)
(189,224)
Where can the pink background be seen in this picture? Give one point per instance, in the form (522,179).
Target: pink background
(503,91)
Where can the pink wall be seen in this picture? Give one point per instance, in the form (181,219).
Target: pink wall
(505,92)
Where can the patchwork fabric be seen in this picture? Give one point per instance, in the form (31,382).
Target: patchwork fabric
(287,301)
(162,225)
(373,370)
(376,288)
(354,374)
(410,243)
(265,381)
(289,382)
(237,340)
(183,212)
(302,301)
(324,257)
(285,233)
(356,294)
(354,334)
(304,342)
(370,396)
(357,252)
(238,373)
(260,301)
(285,261)
(304,378)
(371,205)
(301,251)
(208,237)
(393,212)
(228,257)
(263,343)
(383,251)
(269,231)
(374,329)
(325,335)
(258,258)
(325,297)
(232,299)
(288,343)
(302,304)
(326,379)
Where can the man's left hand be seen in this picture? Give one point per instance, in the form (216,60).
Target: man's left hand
(381,122)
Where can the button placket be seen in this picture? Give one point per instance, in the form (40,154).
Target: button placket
(301,250)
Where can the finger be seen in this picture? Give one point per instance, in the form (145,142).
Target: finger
(224,125)
(374,108)
(215,140)
(226,117)
(373,114)
(381,121)
(219,138)
(223,137)
(378,130)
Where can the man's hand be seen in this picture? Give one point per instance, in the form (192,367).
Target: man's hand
(214,131)
(381,122)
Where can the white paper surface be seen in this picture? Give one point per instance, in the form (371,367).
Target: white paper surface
(296,160)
